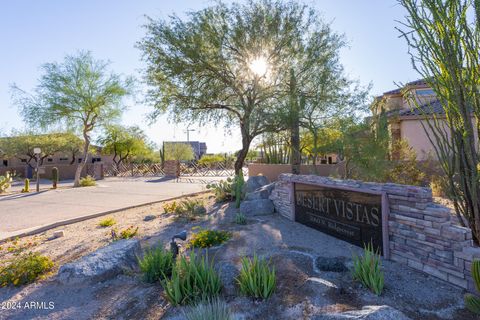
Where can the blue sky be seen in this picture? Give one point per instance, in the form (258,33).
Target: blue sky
(34,32)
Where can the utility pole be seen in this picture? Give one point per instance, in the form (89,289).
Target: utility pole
(188,133)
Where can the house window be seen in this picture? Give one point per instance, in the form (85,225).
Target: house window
(426,92)
(63,159)
(23,160)
(5,163)
(49,159)
(330,160)
(96,160)
(79,160)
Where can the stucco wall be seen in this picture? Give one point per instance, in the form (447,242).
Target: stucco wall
(414,133)
(422,234)
(272,171)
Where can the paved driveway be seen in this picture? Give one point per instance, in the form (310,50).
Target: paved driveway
(25,212)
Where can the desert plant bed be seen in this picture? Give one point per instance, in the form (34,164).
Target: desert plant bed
(313,273)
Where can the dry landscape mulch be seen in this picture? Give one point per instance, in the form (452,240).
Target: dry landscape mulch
(305,289)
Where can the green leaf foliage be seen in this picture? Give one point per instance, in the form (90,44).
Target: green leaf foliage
(156,264)
(256,278)
(193,279)
(367,270)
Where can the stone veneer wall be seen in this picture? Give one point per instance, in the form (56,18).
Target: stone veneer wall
(422,234)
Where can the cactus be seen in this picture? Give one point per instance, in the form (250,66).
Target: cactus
(26,188)
(473,302)
(239,181)
(54,177)
(5,182)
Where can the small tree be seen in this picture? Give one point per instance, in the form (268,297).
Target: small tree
(125,143)
(178,151)
(20,145)
(79,93)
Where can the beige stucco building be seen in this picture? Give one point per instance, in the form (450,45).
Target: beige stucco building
(407,109)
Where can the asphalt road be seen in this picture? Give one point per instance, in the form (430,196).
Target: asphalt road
(25,212)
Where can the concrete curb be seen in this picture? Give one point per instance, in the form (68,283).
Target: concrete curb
(35,230)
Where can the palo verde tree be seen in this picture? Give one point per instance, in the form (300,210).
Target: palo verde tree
(124,143)
(178,151)
(225,64)
(80,93)
(444,41)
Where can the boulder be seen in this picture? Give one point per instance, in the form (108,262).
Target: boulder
(257,207)
(366,313)
(254,183)
(150,217)
(100,265)
(199,210)
(261,193)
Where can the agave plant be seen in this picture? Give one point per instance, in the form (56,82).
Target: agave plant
(473,302)
(5,182)
(367,269)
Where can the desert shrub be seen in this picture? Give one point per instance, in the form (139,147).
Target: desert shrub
(127,233)
(240,218)
(256,278)
(211,160)
(5,182)
(187,209)
(473,302)
(190,206)
(439,186)
(156,264)
(206,238)
(193,279)
(16,247)
(367,269)
(214,309)
(170,207)
(107,222)
(24,269)
(223,189)
(87,181)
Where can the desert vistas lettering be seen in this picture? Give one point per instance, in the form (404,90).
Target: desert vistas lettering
(351,211)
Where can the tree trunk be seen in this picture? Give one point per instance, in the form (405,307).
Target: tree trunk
(315,150)
(82,163)
(242,154)
(294,126)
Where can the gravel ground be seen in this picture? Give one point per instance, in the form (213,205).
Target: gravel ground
(300,254)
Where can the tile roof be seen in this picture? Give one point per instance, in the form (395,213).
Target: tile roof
(428,108)
(418,82)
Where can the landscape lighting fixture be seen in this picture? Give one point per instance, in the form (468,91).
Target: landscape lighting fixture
(173,244)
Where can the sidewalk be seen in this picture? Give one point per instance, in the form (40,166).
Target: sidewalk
(22,212)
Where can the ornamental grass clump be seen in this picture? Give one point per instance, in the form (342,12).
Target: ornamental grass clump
(214,309)
(193,279)
(88,181)
(127,233)
(24,268)
(206,238)
(240,218)
(156,264)
(256,278)
(107,222)
(367,269)
(473,302)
